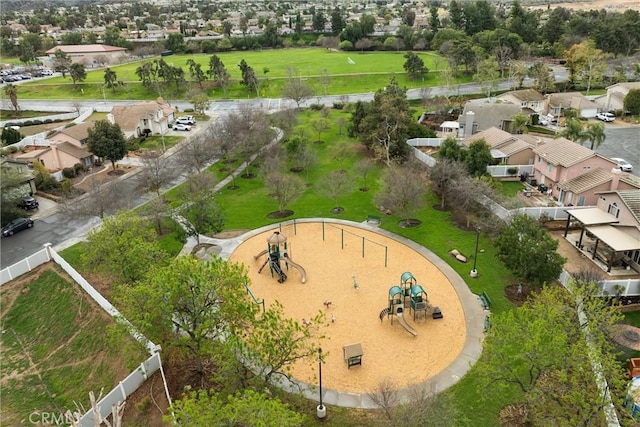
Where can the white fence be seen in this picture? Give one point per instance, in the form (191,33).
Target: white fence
(624,287)
(425,142)
(554,212)
(130,384)
(503,170)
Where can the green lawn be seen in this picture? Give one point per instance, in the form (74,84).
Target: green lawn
(57,347)
(368,72)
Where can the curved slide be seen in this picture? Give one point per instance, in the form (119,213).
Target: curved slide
(404,323)
(264,252)
(298,267)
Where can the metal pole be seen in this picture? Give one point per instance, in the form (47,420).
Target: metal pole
(385,256)
(323,231)
(363,247)
(342,238)
(474,272)
(321,411)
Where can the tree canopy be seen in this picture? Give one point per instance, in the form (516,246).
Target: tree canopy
(107,141)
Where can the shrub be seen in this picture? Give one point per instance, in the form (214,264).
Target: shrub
(68,125)
(512,171)
(69,173)
(188,110)
(47,121)
(12,149)
(27,123)
(338,105)
(78,168)
(97,162)
(316,107)
(36,122)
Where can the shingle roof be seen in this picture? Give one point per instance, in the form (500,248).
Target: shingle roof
(586,181)
(73,150)
(497,139)
(571,100)
(526,95)
(79,132)
(128,116)
(563,152)
(85,48)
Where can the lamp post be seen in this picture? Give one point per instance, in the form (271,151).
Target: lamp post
(474,272)
(321,410)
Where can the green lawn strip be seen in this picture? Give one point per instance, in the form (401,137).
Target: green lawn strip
(23,114)
(370,72)
(509,188)
(66,340)
(155,143)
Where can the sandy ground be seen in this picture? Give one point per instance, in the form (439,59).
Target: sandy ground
(390,352)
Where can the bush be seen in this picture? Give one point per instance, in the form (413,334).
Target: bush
(188,110)
(338,105)
(12,149)
(512,171)
(47,121)
(78,168)
(36,122)
(316,107)
(27,123)
(69,173)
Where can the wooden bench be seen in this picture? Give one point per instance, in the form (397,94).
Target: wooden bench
(375,219)
(485,300)
(352,354)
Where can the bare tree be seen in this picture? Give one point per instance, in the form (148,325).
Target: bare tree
(296,89)
(200,209)
(442,175)
(403,190)
(285,119)
(284,188)
(342,123)
(342,151)
(335,184)
(385,396)
(102,197)
(197,151)
(363,167)
(157,171)
(320,125)
(425,95)
(325,79)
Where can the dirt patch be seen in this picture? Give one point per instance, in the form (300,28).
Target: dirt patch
(518,294)
(280,214)
(229,234)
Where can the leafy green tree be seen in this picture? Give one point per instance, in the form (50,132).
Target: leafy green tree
(147,74)
(208,408)
(456,16)
(631,102)
(78,73)
(520,123)
(219,73)
(543,79)
(175,43)
(189,304)
(195,70)
(318,21)
(10,136)
(107,141)
(451,150)
(71,38)
(574,130)
(30,45)
(529,251)
(488,75)
(61,62)
(125,248)
(337,20)
(110,78)
(585,63)
(594,134)
(478,157)
(479,16)
(523,23)
(249,78)
(541,349)
(443,176)
(11,190)
(384,128)
(200,102)
(11,91)
(200,208)
(276,342)
(414,65)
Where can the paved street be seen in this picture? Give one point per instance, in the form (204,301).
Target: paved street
(622,141)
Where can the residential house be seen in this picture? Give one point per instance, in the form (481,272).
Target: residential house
(18,170)
(531,101)
(90,54)
(479,116)
(560,160)
(64,150)
(137,119)
(614,98)
(587,186)
(557,103)
(507,148)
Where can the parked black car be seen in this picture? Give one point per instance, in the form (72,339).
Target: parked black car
(28,203)
(16,225)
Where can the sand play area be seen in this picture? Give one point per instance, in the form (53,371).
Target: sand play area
(332,257)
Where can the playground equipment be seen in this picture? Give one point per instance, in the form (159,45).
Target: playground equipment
(409,294)
(276,251)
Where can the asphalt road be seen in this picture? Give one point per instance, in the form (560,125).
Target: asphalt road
(622,141)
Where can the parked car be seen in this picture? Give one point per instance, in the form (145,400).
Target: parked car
(186,120)
(623,164)
(180,126)
(28,203)
(16,225)
(606,117)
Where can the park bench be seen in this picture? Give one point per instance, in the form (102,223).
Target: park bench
(485,300)
(375,219)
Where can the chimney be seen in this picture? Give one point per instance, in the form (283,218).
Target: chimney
(615,178)
(469,119)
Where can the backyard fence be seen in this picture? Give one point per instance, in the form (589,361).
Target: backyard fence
(131,383)
(501,171)
(622,287)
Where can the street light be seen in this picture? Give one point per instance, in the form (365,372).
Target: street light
(321,410)
(474,272)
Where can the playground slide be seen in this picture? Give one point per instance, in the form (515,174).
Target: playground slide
(298,267)
(404,323)
(264,252)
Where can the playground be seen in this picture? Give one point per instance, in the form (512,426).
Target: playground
(350,273)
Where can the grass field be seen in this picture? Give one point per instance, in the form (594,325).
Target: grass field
(328,72)
(55,353)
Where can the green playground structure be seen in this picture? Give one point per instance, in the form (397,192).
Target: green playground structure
(409,294)
(276,251)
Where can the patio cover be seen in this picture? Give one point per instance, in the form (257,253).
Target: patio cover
(616,239)
(592,216)
(450,125)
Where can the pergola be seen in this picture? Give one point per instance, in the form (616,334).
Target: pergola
(598,224)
